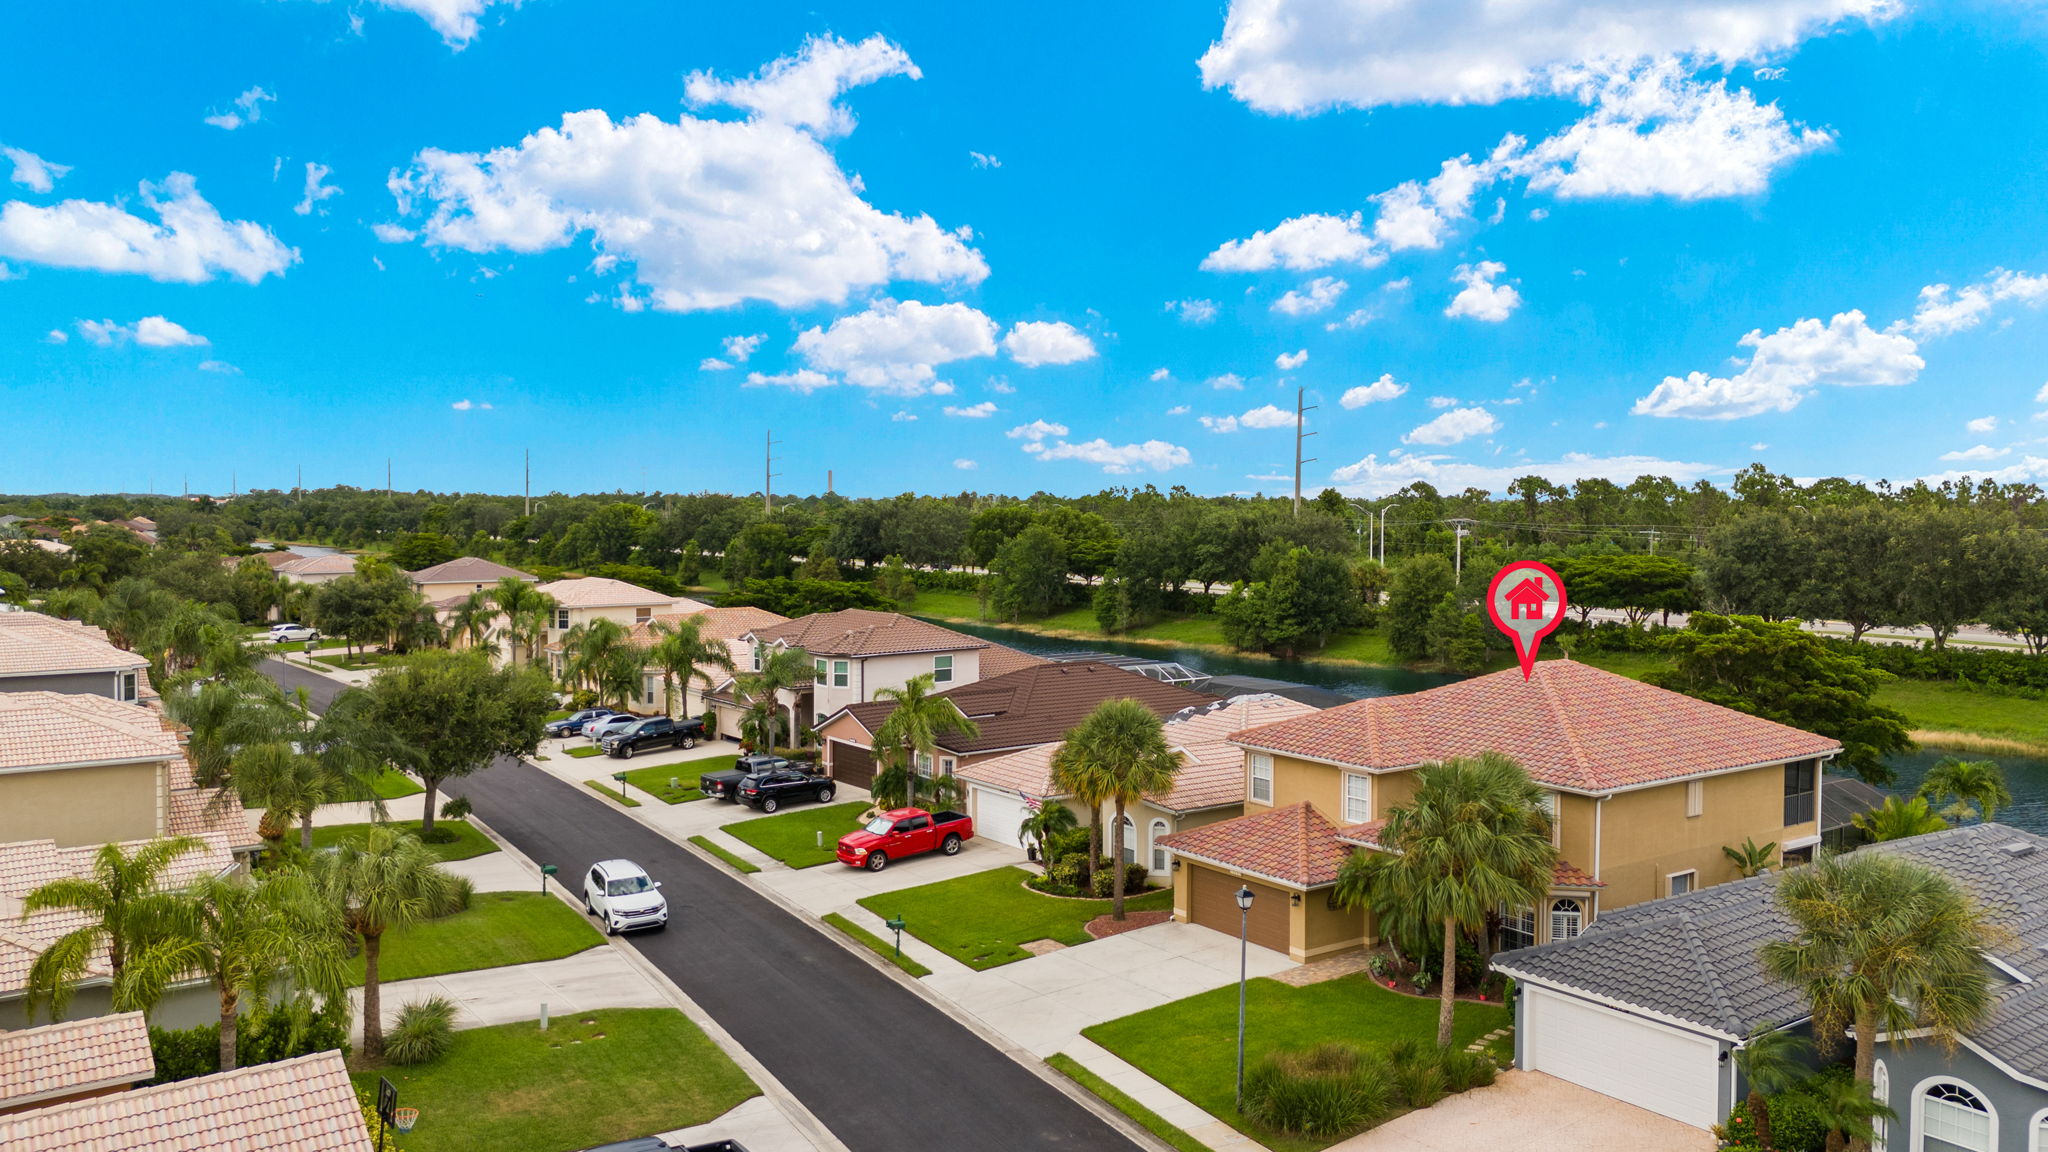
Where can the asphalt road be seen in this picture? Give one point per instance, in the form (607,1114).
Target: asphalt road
(880,1067)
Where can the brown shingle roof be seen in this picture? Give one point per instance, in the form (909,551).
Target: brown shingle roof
(40,729)
(1001,660)
(468,570)
(1571,725)
(1039,704)
(74,1056)
(1294,846)
(863,632)
(301,1105)
(32,643)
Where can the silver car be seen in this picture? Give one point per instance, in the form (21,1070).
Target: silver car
(597,730)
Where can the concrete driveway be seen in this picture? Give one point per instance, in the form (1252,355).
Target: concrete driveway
(1519,1107)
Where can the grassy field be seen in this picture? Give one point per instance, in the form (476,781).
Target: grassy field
(983,919)
(884,948)
(736,862)
(612,791)
(1191,1045)
(497,929)
(1938,707)
(591,1078)
(792,837)
(1116,1098)
(653,780)
(468,842)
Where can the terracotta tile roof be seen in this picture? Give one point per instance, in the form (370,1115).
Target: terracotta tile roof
(26,865)
(196,811)
(276,560)
(1568,875)
(468,570)
(1366,835)
(1039,704)
(338,564)
(32,643)
(603,592)
(727,624)
(1573,726)
(862,632)
(74,1056)
(40,729)
(301,1105)
(1294,846)
(1212,768)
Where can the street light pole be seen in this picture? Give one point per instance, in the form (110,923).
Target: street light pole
(1458,570)
(1383,532)
(1244,915)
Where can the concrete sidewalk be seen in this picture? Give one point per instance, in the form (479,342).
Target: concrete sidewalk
(600,977)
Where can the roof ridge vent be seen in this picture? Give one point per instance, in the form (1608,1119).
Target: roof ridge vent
(2018,848)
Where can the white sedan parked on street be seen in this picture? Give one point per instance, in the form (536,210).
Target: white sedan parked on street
(620,893)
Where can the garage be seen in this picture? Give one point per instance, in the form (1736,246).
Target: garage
(998,815)
(1212,903)
(851,763)
(1651,1065)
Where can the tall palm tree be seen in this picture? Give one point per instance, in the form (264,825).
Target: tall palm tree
(1897,819)
(1123,743)
(528,612)
(1771,1061)
(1883,943)
(1084,780)
(475,619)
(122,900)
(1974,786)
(782,669)
(1475,837)
(382,880)
(681,652)
(1750,858)
(1850,1110)
(226,718)
(244,935)
(588,648)
(913,729)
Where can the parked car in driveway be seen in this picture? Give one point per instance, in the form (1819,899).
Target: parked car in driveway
(653,732)
(291,633)
(624,897)
(598,729)
(572,724)
(904,832)
(725,784)
(771,788)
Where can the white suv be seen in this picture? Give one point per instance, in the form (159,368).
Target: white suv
(288,633)
(620,893)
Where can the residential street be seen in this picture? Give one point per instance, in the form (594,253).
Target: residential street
(882,1068)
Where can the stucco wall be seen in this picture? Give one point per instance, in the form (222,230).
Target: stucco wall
(2017,1106)
(1646,834)
(105,684)
(1327,929)
(76,806)
(864,676)
(1297,780)
(185,1007)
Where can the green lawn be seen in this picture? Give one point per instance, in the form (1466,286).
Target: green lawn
(1116,1098)
(1191,1045)
(468,842)
(653,780)
(886,949)
(497,929)
(1941,706)
(982,919)
(612,791)
(706,843)
(792,836)
(583,750)
(591,1078)
(391,784)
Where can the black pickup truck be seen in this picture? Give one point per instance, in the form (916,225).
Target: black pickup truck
(726,785)
(771,788)
(653,732)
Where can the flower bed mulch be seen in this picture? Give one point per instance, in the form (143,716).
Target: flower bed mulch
(1104,926)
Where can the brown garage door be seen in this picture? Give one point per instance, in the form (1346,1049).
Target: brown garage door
(852,764)
(1213,901)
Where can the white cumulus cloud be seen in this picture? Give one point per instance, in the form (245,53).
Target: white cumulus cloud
(1193,311)
(1116,459)
(190,242)
(1482,299)
(32,171)
(1289,361)
(739,348)
(802,380)
(895,349)
(248,109)
(1264,416)
(1384,388)
(316,191)
(455,20)
(466,405)
(1035,342)
(1943,309)
(803,91)
(1454,426)
(1036,431)
(1786,366)
(1315,296)
(981,411)
(1228,382)
(1980,452)
(148,332)
(1982,425)
(1302,244)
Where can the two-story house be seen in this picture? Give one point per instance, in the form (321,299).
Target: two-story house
(49,654)
(585,599)
(711,689)
(459,577)
(1645,787)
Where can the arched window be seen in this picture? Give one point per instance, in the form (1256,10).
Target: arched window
(1566,918)
(1953,1118)
(1158,853)
(2041,1131)
(1881,1089)
(1130,841)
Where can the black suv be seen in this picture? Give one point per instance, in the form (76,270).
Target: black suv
(770,788)
(725,785)
(654,732)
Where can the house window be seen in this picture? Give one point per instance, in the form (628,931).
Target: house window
(1566,918)
(942,669)
(1158,853)
(1262,778)
(1681,882)
(1881,1091)
(946,765)
(1695,798)
(642,615)
(821,670)
(2040,1134)
(1517,927)
(757,657)
(1549,805)
(561,617)
(127,687)
(1954,1119)
(649,686)
(1357,798)
(1799,793)
(1130,842)
(839,674)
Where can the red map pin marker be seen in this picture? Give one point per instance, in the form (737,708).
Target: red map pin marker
(1526,601)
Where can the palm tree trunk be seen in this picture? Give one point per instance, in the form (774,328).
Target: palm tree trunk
(1447,997)
(1760,1118)
(373,1000)
(1116,862)
(1094,841)
(1866,1060)
(229,1018)
(306,831)
(427,816)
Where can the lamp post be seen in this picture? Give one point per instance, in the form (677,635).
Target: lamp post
(1244,915)
(1383,532)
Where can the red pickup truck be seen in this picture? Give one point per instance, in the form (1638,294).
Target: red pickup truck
(904,832)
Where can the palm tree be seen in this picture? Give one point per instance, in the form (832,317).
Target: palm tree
(1123,744)
(244,936)
(383,880)
(1475,837)
(1047,820)
(528,613)
(1771,1061)
(588,647)
(1084,780)
(1850,1110)
(1750,859)
(913,729)
(1897,819)
(681,651)
(475,619)
(781,670)
(121,901)
(1974,786)
(226,718)
(285,784)
(1883,943)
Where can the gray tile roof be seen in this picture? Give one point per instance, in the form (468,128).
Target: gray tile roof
(1693,958)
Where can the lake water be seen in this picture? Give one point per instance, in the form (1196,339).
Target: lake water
(2026,776)
(304,549)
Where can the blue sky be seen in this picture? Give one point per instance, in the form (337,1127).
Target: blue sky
(940,247)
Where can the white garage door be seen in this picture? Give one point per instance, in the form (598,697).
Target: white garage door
(1638,1061)
(997,816)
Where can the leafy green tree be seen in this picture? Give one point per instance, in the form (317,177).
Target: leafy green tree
(417,550)
(1849,1110)
(1755,564)
(820,564)
(1474,838)
(763,550)
(1047,820)
(1090,542)
(1953,566)
(683,654)
(1781,673)
(1974,787)
(1418,585)
(120,902)
(1884,943)
(911,734)
(528,614)
(786,597)
(1028,576)
(1853,573)
(474,622)
(895,583)
(1771,1061)
(1632,583)
(1751,858)
(376,606)
(2020,610)
(450,714)
(1123,744)
(1305,596)
(1898,819)
(611,533)
(993,527)
(587,649)
(383,879)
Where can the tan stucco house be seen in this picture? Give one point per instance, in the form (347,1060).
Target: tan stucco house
(463,575)
(317,569)
(711,689)
(585,599)
(1646,787)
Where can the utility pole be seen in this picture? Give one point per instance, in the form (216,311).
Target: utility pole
(1652,534)
(1463,530)
(1299,413)
(768,473)
(529,483)
(387,477)
(828,481)
(234,484)
(300,491)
